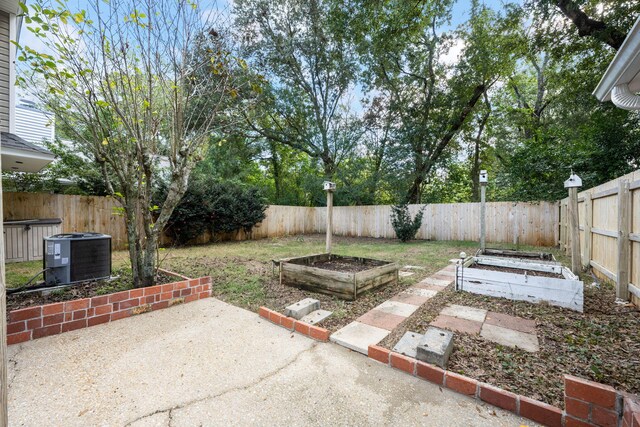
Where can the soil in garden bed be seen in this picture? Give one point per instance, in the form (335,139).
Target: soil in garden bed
(517,271)
(123,282)
(344,265)
(602,345)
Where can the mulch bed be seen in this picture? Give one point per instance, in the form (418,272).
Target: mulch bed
(516,271)
(79,291)
(603,344)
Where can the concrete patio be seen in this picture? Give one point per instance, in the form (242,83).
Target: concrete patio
(209,363)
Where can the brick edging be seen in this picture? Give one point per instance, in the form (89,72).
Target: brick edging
(315,332)
(50,319)
(587,403)
(519,405)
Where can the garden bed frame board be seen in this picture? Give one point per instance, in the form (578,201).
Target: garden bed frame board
(299,272)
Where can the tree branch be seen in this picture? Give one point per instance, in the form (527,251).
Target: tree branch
(588,27)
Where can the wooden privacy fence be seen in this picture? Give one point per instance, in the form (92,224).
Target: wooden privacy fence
(507,222)
(78,213)
(609,218)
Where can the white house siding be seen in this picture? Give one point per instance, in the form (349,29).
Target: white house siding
(5,63)
(34,125)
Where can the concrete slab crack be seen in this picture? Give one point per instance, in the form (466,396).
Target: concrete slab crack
(259,380)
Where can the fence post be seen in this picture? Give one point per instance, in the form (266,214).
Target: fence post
(588,222)
(624,209)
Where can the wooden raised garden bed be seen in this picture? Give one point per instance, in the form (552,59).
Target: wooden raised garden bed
(517,280)
(340,276)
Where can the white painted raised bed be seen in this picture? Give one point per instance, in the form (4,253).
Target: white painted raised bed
(566,292)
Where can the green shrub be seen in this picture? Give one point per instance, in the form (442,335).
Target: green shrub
(216,207)
(405,227)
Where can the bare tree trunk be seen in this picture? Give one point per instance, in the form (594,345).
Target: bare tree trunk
(277,172)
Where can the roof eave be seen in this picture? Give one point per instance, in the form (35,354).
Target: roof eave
(624,67)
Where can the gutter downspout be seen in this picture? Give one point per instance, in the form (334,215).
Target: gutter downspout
(623,98)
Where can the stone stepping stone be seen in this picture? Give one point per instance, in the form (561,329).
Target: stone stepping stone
(302,308)
(456,324)
(510,338)
(381,319)
(511,322)
(358,336)
(408,344)
(412,267)
(397,308)
(406,273)
(464,312)
(316,317)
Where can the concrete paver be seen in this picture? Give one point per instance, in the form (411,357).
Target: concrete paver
(410,298)
(316,317)
(358,336)
(397,308)
(465,312)
(435,282)
(381,319)
(457,325)
(509,337)
(527,326)
(408,344)
(427,293)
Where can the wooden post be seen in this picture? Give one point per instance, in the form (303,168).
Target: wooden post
(329,220)
(588,223)
(624,210)
(573,226)
(574,230)
(483,180)
(483,212)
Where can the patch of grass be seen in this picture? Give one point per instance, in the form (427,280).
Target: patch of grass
(238,286)
(19,273)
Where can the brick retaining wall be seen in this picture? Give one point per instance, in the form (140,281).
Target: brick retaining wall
(43,320)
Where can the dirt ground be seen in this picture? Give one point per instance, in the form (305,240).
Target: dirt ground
(603,344)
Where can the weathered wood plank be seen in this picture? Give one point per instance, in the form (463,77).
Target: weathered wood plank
(560,292)
(523,265)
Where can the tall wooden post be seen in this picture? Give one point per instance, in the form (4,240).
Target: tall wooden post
(573,183)
(483,210)
(588,223)
(329,188)
(624,210)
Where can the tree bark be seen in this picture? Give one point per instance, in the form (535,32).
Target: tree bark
(588,27)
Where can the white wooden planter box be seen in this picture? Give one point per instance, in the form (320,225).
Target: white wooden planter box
(566,292)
